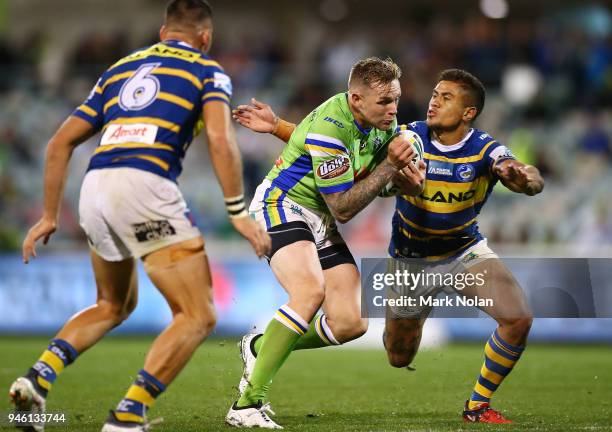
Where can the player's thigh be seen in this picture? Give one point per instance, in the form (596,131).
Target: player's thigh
(116,282)
(507,300)
(297,268)
(342,292)
(182,275)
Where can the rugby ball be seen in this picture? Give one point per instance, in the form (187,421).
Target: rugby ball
(415,140)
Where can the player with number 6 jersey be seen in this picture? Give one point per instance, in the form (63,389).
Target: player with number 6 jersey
(149,106)
(138,133)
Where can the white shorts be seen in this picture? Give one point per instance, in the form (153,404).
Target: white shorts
(128,212)
(288,222)
(475,254)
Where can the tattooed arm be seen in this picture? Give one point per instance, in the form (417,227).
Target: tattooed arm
(345,205)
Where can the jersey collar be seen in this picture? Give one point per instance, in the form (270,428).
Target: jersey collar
(449,148)
(364,131)
(180,43)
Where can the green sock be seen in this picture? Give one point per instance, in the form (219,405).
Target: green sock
(319,335)
(277,343)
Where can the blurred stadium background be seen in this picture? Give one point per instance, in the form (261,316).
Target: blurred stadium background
(547,66)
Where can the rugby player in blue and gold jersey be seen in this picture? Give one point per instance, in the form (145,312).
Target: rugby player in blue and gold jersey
(149,106)
(439,226)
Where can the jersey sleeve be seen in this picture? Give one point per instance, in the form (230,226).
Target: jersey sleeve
(327,144)
(92,109)
(217,84)
(496,153)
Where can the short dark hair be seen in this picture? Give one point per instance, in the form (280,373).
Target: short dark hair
(374,71)
(188,13)
(469,83)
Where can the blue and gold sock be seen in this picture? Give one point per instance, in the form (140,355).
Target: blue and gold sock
(139,398)
(51,363)
(500,358)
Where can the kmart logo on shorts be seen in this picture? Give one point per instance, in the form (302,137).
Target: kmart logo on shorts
(333,168)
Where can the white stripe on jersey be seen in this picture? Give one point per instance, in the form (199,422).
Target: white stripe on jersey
(327,139)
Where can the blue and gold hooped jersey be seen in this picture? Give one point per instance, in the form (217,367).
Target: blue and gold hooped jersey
(441,222)
(148,106)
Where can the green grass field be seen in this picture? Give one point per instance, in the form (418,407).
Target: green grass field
(554,387)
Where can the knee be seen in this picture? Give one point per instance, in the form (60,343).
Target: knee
(130,305)
(311,299)
(116,313)
(400,359)
(350,328)
(520,326)
(202,324)
(402,350)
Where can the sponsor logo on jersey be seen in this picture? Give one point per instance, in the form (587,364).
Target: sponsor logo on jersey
(378,141)
(484,136)
(334,122)
(313,115)
(333,168)
(469,257)
(165,49)
(153,230)
(449,197)
(501,153)
(139,132)
(296,210)
(223,82)
(466,172)
(440,168)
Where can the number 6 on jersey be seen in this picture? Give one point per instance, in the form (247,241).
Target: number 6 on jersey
(140,90)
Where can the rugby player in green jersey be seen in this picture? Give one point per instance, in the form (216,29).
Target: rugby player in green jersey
(349,137)
(439,227)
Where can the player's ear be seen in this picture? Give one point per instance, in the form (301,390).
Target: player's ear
(469,114)
(354,97)
(162,32)
(206,39)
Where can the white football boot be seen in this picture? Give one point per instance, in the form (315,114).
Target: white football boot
(26,399)
(248,360)
(114,425)
(251,416)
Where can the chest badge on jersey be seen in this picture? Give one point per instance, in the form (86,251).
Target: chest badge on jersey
(466,172)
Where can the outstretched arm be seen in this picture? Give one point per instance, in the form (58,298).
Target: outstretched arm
(259,117)
(519,177)
(71,133)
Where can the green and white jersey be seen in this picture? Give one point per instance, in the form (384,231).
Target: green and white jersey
(327,153)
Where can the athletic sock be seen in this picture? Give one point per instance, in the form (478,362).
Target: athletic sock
(500,358)
(139,398)
(277,342)
(319,335)
(51,363)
